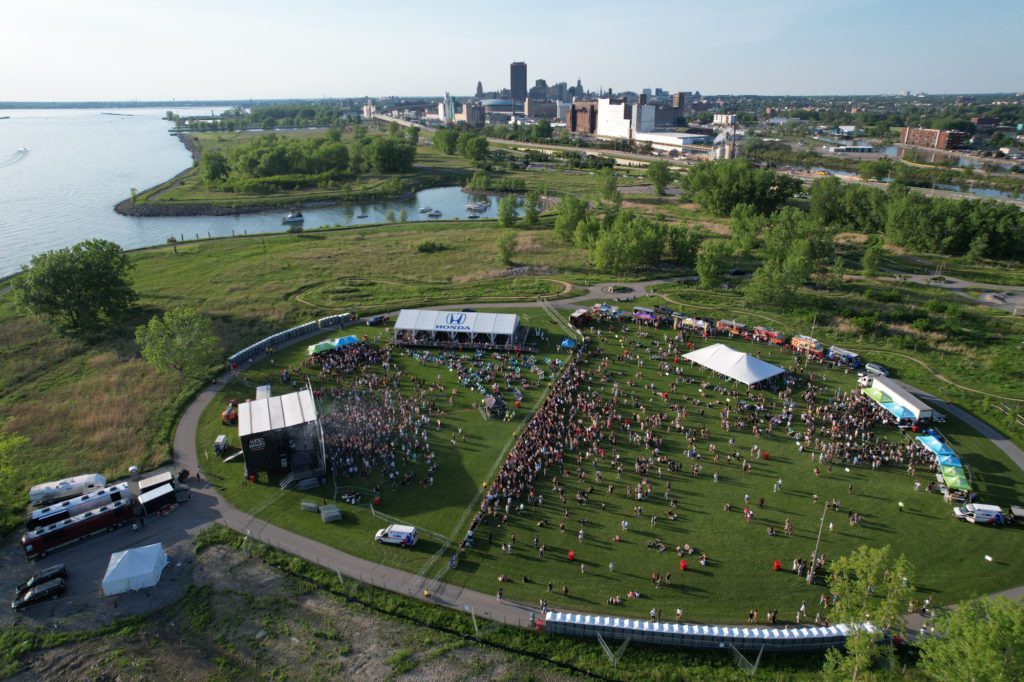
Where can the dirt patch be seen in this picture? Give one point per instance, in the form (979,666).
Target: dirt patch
(240,618)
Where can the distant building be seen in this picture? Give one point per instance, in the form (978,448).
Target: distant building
(982,122)
(724,120)
(582,118)
(479,90)
(677,142)
(536,108)
(932,138)
(617,118)
(471,113)
(518,81)
(446,109)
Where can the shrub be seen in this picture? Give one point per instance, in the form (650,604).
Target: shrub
(428,246)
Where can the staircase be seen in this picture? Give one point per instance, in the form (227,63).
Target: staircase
(305,478)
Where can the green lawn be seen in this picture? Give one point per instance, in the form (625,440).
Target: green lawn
(948,554)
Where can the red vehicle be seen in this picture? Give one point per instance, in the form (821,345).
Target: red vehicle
(807,344)
(230,414)
(41,541)
(731,327)
(765,335)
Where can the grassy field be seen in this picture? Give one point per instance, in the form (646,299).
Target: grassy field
(95,405)
(948,554)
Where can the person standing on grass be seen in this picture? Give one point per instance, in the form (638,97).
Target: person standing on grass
(611,566)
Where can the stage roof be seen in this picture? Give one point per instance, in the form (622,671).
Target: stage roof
(457,322)
(742,367)
(276,412)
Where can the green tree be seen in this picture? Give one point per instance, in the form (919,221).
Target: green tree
(871,587)
(711,260)
(507,245)
(978,249)
(81,287)
(746,225)
(542,130)
(659,175)
(683,243)
(532,208)
(871,261)
(719,185)
(391,155)
(447,140)
(403,216)
(475,148)
(507,216)
(213,166)
(182,342)
(835,275)
(412,135)
(571,211)
(607,184)
(631,242)
(389,216)
(979,641)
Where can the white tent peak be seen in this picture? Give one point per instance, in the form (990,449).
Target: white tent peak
(742,367)
(134,569)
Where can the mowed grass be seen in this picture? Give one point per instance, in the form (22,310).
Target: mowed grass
(93,405)
(948,554)
(440,509)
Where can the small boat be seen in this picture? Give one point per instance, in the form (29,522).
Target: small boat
(426,209)
(361,216)
(473,216)
(434,214)
(293,217)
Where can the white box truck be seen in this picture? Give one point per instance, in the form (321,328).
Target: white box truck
(980,513)
(397,535)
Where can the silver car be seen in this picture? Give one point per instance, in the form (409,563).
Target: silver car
(876,369)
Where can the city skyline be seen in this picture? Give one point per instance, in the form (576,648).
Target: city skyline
(110,50)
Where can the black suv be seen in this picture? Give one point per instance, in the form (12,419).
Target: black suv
(43,576)
(42,592)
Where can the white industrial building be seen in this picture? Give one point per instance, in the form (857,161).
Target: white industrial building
(724,120)
(678,142)
(617,118)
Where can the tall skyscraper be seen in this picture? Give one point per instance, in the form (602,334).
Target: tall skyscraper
(518,84)
(479,89)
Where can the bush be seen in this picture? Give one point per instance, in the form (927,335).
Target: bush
(428,246)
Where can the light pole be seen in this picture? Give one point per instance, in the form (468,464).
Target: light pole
(814,555)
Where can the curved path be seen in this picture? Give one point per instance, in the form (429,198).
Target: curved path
(216,509)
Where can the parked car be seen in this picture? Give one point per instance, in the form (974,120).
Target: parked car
(42,592)
(737,272)
(43,576)
(876,369)
(376,319)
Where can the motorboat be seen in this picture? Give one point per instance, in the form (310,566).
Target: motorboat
(293,217)
(473,216)
(361,216)
(426,209)
(434,214)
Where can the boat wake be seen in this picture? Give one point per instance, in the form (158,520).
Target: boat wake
(15,158)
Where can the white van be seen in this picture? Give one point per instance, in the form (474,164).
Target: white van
(397,535)
(980,513)
(56,491)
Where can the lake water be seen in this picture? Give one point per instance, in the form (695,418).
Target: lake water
(80,162)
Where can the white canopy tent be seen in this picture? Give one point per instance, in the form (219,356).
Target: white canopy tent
(429,327)
(742,367)
(134,569)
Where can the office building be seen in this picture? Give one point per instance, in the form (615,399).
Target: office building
(518,81)
(582,118)
(932,138)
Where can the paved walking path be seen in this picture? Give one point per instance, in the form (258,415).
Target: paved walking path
(403,582)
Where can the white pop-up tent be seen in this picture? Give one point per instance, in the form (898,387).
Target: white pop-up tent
(742,367)
(134,569)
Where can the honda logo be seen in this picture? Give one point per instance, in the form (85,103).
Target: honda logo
(456,318)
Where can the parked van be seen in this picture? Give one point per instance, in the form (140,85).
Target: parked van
(397,535)
(980,513)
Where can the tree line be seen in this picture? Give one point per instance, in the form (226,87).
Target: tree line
(273,162)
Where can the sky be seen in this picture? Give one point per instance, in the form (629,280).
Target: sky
(76,50)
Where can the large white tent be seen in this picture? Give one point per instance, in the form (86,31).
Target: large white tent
(134,569)
(742,367)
